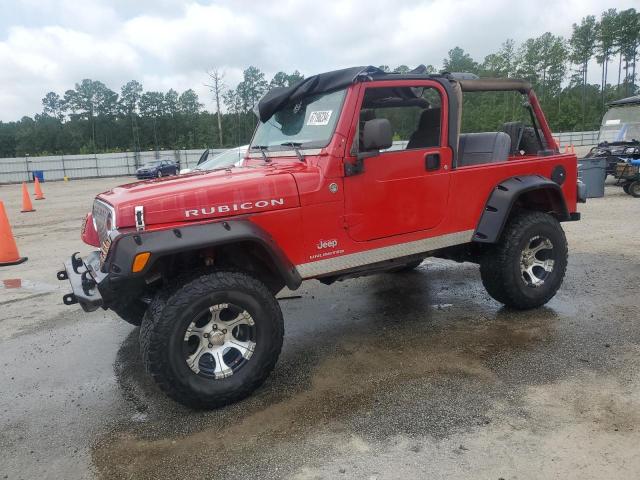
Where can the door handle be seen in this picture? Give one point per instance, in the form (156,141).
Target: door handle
(432,161)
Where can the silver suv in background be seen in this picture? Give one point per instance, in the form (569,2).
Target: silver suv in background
(229,158)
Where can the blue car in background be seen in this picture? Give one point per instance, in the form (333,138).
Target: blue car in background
(157,169)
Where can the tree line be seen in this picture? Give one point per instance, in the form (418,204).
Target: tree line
(92,118)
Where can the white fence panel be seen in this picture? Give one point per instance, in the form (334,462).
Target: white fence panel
(56,167)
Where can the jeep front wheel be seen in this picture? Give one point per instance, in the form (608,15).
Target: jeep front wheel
(215,340)
(526,268)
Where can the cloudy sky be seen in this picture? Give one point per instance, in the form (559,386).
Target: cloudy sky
(51,44)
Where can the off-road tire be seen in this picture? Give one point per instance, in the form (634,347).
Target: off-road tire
(171,312)
(529,142)
(131,311)
(500,265)
(408,267)
(634,189)
(625,188)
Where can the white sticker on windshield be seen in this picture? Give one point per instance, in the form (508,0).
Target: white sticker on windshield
(613,122)
(320,117)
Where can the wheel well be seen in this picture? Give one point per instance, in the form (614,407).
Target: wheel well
(251,257)
(544,199)
(248,256)
(529,192)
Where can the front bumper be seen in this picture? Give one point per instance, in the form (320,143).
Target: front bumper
(84,275)
(142,175)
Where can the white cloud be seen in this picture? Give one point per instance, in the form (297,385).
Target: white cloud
(52,44)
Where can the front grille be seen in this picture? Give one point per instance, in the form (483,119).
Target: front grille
(101,212)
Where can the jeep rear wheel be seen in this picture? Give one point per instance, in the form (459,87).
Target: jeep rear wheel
(214,340)
(526,268)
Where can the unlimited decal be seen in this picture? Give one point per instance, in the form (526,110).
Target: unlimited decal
(234,207)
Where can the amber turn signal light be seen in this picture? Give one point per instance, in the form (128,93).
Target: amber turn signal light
(140,262)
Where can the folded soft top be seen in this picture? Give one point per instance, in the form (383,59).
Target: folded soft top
(337,79)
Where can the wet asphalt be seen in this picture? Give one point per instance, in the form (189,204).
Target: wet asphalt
(417,375)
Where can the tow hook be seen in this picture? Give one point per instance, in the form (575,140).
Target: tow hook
(76,262)
(69,299)
(88,283)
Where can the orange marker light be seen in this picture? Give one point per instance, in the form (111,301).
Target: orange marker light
(140,262)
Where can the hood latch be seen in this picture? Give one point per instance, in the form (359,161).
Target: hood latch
(139,214)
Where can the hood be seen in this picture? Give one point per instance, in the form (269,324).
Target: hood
(204,195)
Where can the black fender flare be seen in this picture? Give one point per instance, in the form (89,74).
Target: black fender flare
(161,243)
(504,196)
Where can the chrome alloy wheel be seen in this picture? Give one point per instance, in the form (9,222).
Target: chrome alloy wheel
(536,261)
(219,341)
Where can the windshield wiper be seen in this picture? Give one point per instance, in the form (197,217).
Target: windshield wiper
(296,148)
(262,149)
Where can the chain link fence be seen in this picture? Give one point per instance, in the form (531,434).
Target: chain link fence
(577,139)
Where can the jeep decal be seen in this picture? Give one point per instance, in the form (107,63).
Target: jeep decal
(322,244)
(234,207)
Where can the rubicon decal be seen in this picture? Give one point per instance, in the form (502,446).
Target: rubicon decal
(234,207)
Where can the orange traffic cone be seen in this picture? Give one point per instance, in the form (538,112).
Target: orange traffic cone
(26,201)
(38,190)
(8,249)
(566,149)
(573,150)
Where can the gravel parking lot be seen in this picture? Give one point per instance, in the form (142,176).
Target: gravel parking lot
(420,375)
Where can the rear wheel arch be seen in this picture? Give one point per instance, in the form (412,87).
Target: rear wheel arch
(528,192)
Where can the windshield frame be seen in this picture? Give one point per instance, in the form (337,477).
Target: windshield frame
(253,149)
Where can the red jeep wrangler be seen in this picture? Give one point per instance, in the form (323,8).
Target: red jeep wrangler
(349,173)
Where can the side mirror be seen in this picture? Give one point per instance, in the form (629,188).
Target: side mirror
(377,134)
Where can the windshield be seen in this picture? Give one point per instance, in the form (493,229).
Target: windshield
(308,123)
(151,164)
(224,159)
(620,124)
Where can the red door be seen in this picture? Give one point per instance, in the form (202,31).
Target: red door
(404,189)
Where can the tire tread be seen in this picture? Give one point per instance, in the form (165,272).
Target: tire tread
(175,298)
(497,261)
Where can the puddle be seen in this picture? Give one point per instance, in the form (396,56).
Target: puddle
(28,285)
(364,374)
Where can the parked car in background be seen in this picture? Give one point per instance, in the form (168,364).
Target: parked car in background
(157,169)
(232,157)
